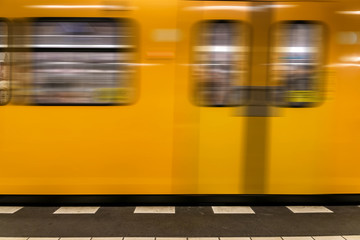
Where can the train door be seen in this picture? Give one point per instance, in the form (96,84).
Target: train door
(275,136)
(212,84)
(345,64)
(300,138)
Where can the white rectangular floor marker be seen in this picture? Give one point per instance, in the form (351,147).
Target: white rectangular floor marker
(76,210)
(9,210)
(233,210)
(160,210)
(309,209)
(328,238)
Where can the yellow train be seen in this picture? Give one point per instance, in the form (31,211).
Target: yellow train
(179,97)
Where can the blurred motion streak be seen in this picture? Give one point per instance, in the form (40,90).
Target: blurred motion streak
(179,97)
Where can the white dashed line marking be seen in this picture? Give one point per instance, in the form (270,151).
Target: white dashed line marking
(233,210)
(77,210)
(157,210)
(309,209)
(9,210)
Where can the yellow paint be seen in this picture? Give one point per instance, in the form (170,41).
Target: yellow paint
(303,96)
(95,150)
(163,143)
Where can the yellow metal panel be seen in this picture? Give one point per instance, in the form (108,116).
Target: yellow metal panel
(163,143)
(301,139)
(96,150)
(220,151)
(208,141)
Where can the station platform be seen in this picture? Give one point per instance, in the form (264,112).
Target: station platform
(180,223)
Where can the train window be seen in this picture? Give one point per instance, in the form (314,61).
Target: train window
(81,61)
(220,58)
(297,61)
(4,65)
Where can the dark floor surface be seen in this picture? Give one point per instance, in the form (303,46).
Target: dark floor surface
(186,222)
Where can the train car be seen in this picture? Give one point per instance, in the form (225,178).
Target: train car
(179,97)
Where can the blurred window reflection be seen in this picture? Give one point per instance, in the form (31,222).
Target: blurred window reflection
(81,61)
(297,59)
(4,65)
(220,63)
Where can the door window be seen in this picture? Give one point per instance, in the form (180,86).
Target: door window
(220,63)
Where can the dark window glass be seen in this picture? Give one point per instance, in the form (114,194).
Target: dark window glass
(80,61)
(297,61)
(4,65)
(220,63)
